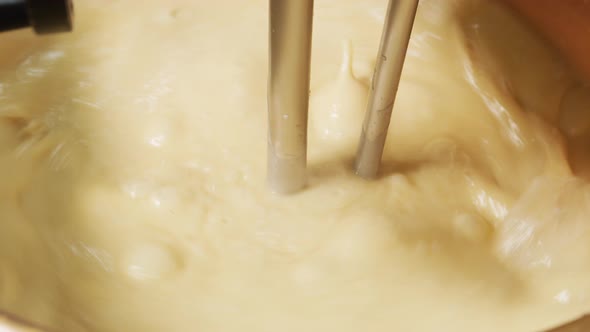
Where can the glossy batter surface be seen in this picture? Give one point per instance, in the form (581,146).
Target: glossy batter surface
(132,176)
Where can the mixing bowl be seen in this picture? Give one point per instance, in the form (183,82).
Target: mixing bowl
(9,323)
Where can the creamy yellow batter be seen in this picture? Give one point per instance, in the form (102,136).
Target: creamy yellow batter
(132,176)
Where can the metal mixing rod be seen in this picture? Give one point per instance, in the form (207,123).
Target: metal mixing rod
(388,69)
(288,90)
(288,93)
(44,16)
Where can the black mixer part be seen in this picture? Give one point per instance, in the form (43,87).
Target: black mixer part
(44,16)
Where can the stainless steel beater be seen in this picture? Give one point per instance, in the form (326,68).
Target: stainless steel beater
(288,89)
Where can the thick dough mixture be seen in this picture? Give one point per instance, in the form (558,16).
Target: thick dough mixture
(132,176)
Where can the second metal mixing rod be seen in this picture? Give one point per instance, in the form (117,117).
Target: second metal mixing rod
(390,60)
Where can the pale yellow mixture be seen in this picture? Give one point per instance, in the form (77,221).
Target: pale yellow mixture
(132,176)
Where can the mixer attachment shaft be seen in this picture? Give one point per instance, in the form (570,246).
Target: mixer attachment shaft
(390,60)
(288,93)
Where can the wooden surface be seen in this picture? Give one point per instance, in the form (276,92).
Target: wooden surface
(579,325)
